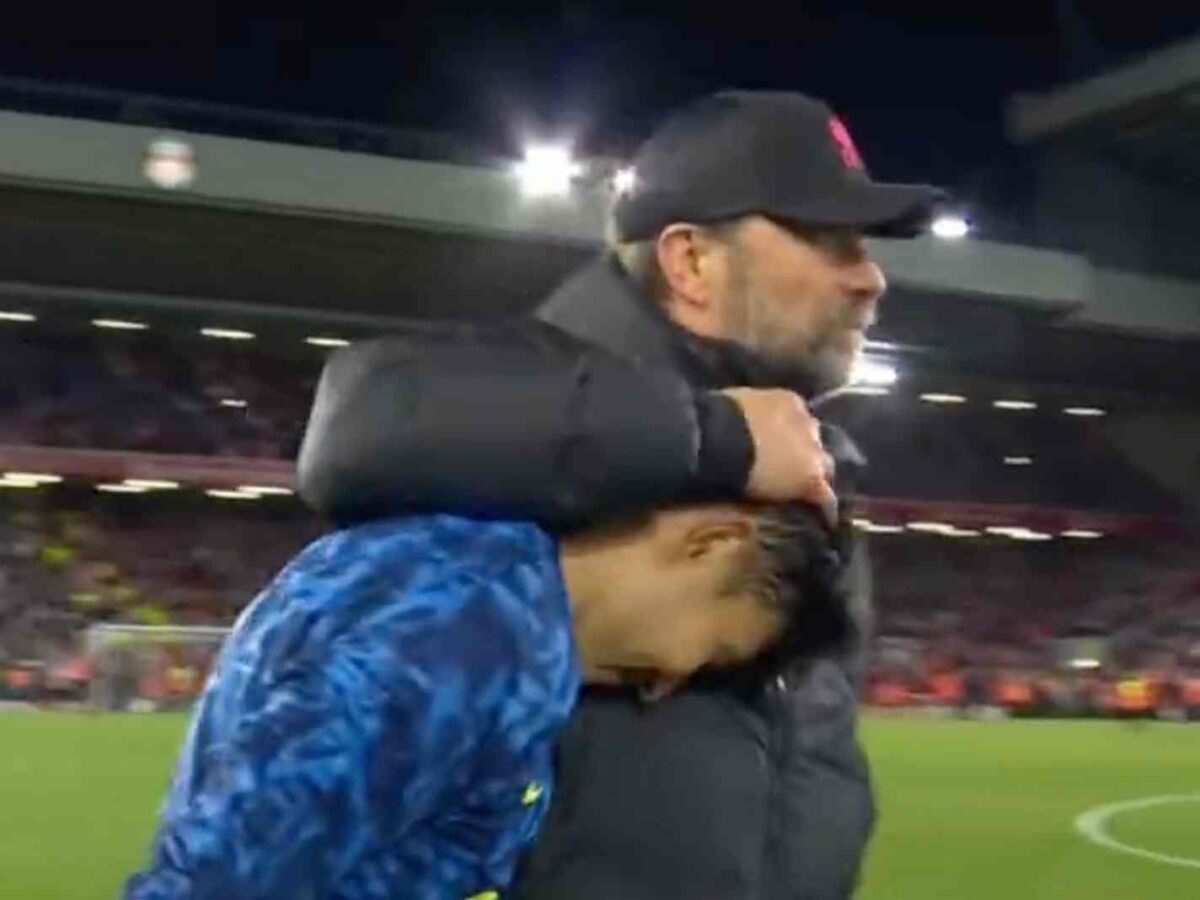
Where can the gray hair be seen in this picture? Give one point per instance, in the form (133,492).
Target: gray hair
(639,259)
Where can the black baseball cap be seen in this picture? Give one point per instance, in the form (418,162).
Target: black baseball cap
(780,154)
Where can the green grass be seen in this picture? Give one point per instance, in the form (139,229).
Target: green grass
(985,810)
(78,799)
(969,811)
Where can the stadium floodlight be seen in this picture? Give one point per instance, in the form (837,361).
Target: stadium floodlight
(872,372)
(930,527)
(224,494)
(266,490)
(152,484)
(1083,534)
(950,227)
(33,477)
(120,325)
(945,399)
(942,529)
(227,334)
(1085,411)
(17,317)
(1015,404)
(1026,534)
(1018,533)
(625,180)
(327,342)
(233,403)
(1003,530)
(1018,460)
(121,489)
(547,171)
(876,528)
(169,164)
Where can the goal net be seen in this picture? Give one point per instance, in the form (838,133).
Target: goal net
(143,668)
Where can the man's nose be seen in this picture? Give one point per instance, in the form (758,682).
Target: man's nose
(867,282)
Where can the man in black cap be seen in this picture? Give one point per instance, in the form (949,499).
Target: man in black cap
(737,258)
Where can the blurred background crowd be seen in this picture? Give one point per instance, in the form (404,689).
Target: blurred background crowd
(969,617)
(76,388)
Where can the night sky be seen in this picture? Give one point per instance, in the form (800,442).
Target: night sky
(921,83)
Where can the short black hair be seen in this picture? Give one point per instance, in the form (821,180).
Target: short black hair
(799,571)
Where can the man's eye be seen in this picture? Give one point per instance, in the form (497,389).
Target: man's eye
(845,245)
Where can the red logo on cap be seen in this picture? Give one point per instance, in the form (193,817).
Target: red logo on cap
(845,144)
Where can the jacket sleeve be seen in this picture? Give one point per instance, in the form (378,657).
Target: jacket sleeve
(513,419)
(278,809)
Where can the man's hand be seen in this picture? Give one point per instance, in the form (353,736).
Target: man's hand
(790,463)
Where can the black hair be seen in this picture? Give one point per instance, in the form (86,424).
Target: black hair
(799,571)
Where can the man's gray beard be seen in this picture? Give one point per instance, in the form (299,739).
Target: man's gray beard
(828,370)
(812,371)
(813,374)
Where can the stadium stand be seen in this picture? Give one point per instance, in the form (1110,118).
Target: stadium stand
(951,612)
(1042,629)
(959,454)
(76,388)
(73,558)
(65,385)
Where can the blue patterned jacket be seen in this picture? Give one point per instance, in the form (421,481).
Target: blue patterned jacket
(380,724)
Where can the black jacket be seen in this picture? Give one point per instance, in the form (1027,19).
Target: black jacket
(515,419)
(741,787)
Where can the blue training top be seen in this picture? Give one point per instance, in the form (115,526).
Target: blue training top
(380,723)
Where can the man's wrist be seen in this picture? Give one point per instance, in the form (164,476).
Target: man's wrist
(726,453)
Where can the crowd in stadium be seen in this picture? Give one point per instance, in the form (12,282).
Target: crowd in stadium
(132,391)
(965,627)
(960,625)
(69,563)
(66,384)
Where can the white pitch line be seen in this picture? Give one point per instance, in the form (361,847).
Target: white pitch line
(1092,825)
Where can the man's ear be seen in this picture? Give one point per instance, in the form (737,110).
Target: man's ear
(724,537)
(686,260)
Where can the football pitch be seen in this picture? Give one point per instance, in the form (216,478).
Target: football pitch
(969,811)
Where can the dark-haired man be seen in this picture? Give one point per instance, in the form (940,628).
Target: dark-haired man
(381,722)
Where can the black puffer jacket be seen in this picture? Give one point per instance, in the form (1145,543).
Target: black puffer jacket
(748,786)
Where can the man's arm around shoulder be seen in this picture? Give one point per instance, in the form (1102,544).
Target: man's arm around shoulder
(516,420)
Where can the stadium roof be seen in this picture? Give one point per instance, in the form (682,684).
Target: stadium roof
(1145,116)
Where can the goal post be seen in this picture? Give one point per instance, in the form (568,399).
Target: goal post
(143,668)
